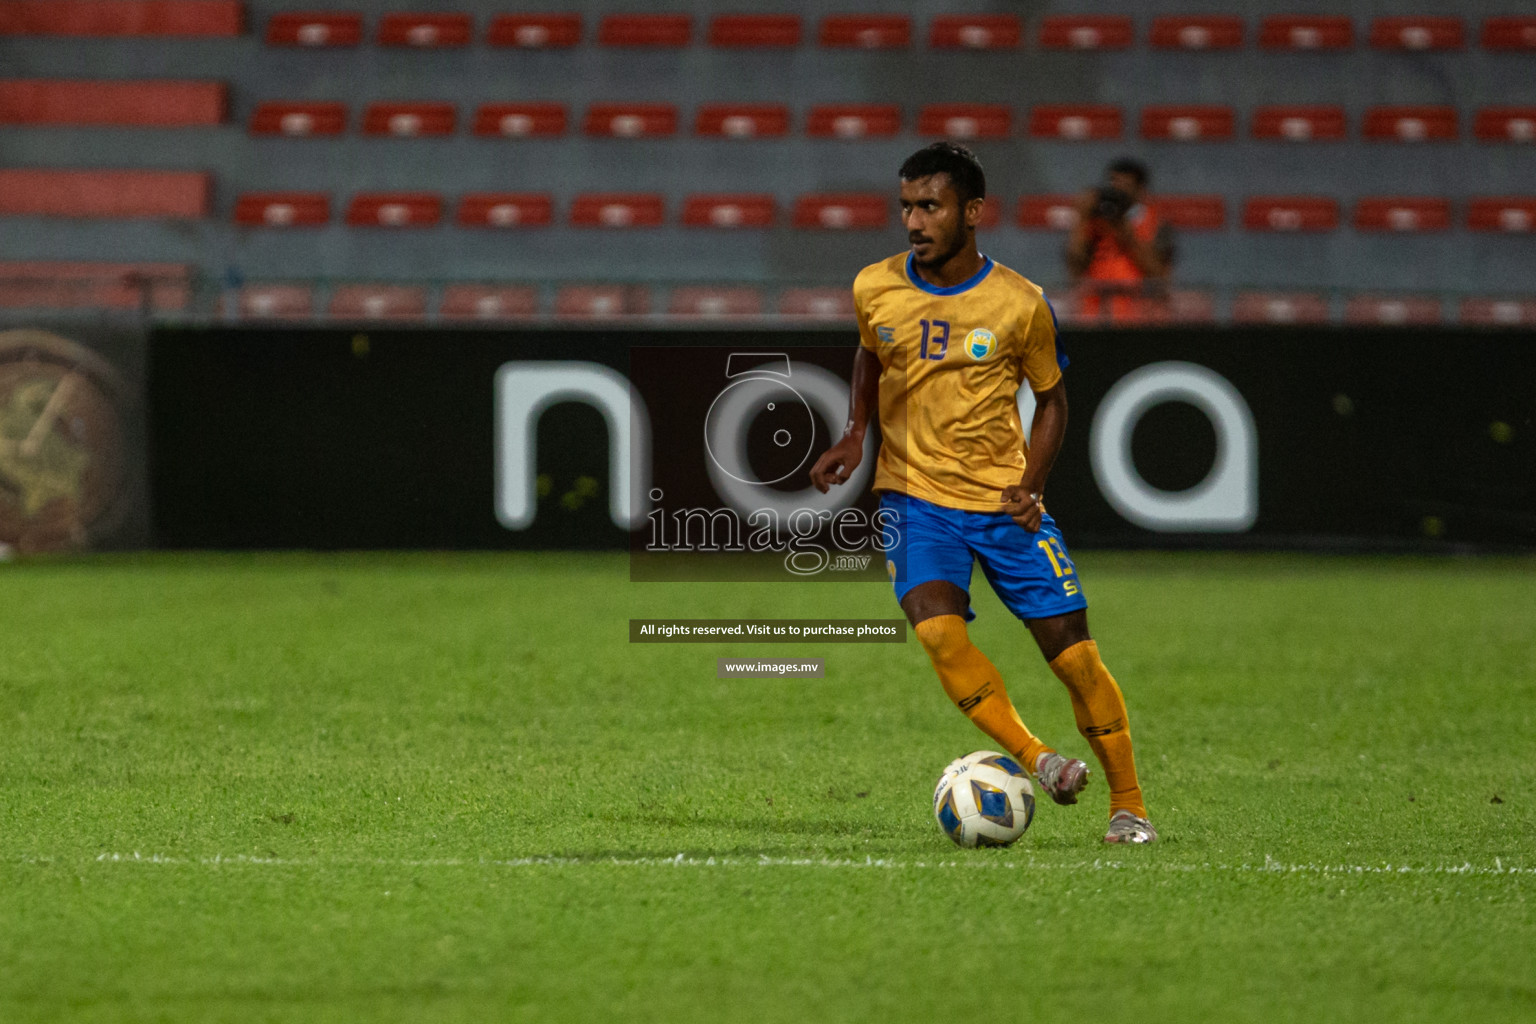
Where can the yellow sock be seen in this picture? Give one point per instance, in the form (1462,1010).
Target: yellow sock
(974,684)
(1100,711)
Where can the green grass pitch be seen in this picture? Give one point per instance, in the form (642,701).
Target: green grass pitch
(444,788)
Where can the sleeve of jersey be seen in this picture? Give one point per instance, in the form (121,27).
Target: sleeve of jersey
(866,332)
(1040,363)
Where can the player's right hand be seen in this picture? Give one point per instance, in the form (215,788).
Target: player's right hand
(837,463)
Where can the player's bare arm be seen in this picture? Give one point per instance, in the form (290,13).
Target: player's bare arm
(1023,501)
(837,463)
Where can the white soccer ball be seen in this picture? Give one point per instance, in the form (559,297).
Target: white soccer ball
(984,799)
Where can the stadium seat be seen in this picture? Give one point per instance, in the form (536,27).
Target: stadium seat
(1280,308)
(120,18)
(160,287)
(991,213)
(407,120)
(1076,122)
(135,104)
(488,302)
(1490,312)
(278,117)
(1393,310)
(1503,213)
(283,209)
(535,31)
(704,301)
(1510,33)
(966,120)
(427,31)
(1418,33)
(853,120)
(315,28)
(506,210)
(394,210)
(1047,213)
(975,32)
(1209,32)
(841,211)
(1188,123)
(520,120)
(866,31)
(377,302)
(1307,32)
(630,120)
(818,303)
(754,31)
(580,301)
(1291,213)
(1410,124)
(1192,213)
(1505,124)
(742,120)
(38,192)
(1300,124)
(1188,306)
(729,211)
(618,210)
(276,302)
(1403,213)
(1086,32)
(645,30)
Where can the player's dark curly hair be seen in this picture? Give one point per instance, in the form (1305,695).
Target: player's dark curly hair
(953,159)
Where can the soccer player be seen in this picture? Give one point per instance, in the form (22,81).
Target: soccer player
(947,336)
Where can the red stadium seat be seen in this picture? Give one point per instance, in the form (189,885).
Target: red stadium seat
(299,119)
(645,30)
(137,104)
(1210,32)
(1188,123)
(1488,312)
(37,192)
(841,211)
(1505,124)
(1086,32)
(742,120)
(1307,32)
(583,301)
(1393,310)
(395,210)
(754,31)
(966,120)
(703,301)
(1280,308)
(618,210)
(630,120)
(866,31)
(276,302)
(164,287)
(1403,213)
(1047,213)
(283,209)
(1291,213)
(1418,33)
(819,303)
(975,32)
(506,210)
(407,120)
(535,31)
(488,302)
(991,213)
(520,120)
(378,302)
(1186,306)
(1300,124)
(428,31)
(1410,124)
(1516,33)
(729,211)
(1192,213)
(1076,122)
(853,120)
(1504,213)
(315,28)
(120,18)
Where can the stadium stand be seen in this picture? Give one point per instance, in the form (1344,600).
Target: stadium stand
(280,117)
(120,17)
(588,301)
(394,210)
(283,209)
(1393,310)
(842,211)
(618,210)
(754,31)
(966,120)
(1300,123)
(535,31)
(1188,123)
(1307,32)
(1505,124)
(706,301)
(975,32)
(128,287)
(866,31)
(742,120)
(1410,124)
(1047,213)
(1192,213)
(425,30)
(648,30)
(57,192)
(275,301)
(729,211)
(315,28)
(1291,213)
(506,210)
(520,120)
(488,302)
(1405,213)
(630,120)
(408,120)
(1509,33)
(1086,32)
(853,120)
(124,104)
(1490,312)
(1507,213)
(1418,33)
(1279,308)
(377,302)
(817,303)
(1208,32)
(1076,122)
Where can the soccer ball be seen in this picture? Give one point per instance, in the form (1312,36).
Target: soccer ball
(984,799)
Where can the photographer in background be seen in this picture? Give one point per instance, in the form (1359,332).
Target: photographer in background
(1119,252)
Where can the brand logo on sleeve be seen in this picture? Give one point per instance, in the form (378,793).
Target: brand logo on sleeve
(980,344)
(887,335)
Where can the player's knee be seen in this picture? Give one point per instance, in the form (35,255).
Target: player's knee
(944,637)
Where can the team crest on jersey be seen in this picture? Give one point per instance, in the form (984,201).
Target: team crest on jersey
(980,343)
(887,335)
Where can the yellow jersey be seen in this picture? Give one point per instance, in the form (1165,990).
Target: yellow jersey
(952,362)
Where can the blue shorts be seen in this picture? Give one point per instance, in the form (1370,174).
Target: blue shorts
(1030,572)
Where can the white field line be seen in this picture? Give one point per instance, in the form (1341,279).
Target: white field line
(1268,866)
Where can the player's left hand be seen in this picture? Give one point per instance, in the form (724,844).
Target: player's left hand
(1025,508)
